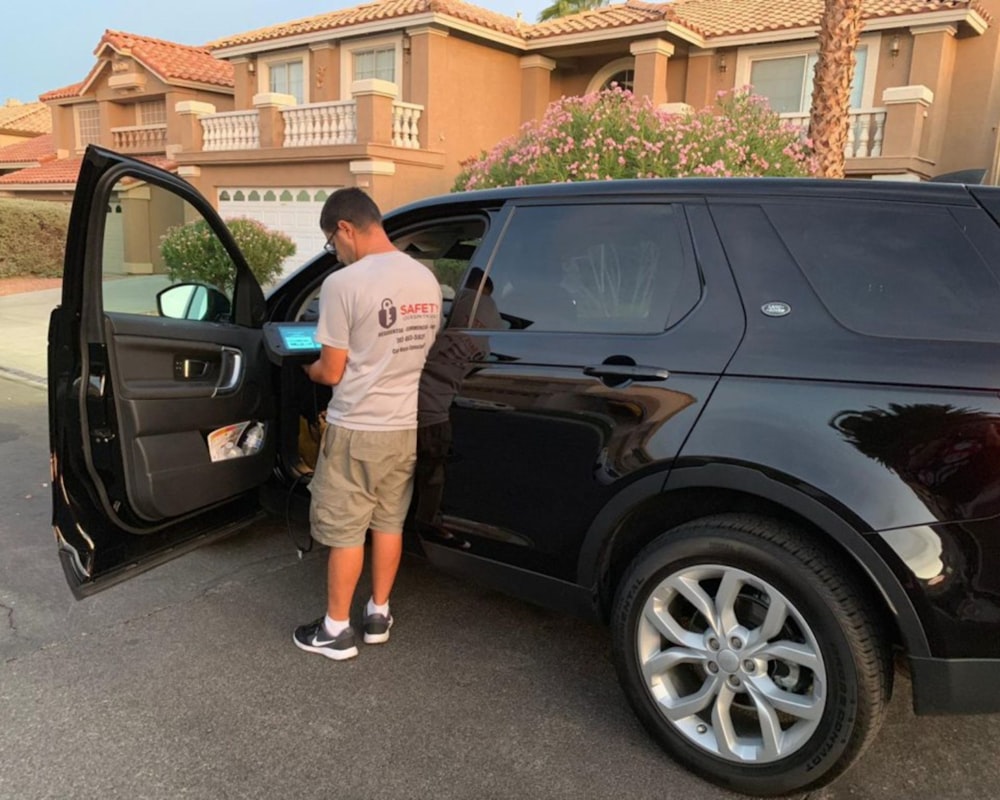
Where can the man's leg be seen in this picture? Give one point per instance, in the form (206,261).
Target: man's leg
(342,573)
(387,550)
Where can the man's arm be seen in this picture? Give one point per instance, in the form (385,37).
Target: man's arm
(329,369)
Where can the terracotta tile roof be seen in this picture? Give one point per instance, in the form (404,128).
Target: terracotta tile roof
(170,60)
(63,170)
(712,18)
(612,16)
(67,170)
(372,12)
(25,117)
(73,90)
(34,150)
(708,18)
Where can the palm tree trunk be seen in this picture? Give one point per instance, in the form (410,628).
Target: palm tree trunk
(839,33)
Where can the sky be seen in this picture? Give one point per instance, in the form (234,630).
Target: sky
(52,42)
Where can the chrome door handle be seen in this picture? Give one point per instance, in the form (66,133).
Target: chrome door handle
(190,368)
(632,372)
(230,373)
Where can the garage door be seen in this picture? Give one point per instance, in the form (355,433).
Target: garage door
(293,211)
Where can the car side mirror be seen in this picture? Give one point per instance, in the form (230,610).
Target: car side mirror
(193,301)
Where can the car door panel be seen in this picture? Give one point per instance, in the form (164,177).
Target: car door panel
(135,480)
(164,417)
(558,421)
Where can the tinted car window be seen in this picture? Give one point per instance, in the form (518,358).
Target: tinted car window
(615,268)
(886,271)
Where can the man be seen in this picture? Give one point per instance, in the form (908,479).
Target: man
(453,356)
(378,318)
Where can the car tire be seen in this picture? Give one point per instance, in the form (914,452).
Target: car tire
(751,654)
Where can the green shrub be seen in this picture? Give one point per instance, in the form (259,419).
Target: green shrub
(613,134)
(32,238)
(193,252)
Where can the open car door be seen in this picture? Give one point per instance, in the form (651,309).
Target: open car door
(161,408)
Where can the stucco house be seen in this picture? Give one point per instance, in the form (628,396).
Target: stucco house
(127,102)
(393,95)
(22,122)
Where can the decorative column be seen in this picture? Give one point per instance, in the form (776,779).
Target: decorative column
(906,109)
(651,56)
(190,113)
(374,115)
(272,124)
(536,80)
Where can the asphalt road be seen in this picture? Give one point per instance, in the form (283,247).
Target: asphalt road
(184,682)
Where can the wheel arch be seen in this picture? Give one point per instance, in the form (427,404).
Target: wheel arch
(654,504)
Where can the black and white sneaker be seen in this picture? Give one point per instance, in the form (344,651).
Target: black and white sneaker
(313,638)
(377,628)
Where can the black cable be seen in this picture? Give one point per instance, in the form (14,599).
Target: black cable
(288,519)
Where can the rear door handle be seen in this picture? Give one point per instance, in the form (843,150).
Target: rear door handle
(481,405)
(631,372)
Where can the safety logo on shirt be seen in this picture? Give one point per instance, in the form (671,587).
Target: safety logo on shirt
(387,314)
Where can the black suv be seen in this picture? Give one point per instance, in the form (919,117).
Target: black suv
(753,425)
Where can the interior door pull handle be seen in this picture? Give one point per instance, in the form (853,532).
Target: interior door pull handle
(633,372)
(231,373)
(191,368)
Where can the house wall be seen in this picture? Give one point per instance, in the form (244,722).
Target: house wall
(969,132)
(14,138)
(470,95)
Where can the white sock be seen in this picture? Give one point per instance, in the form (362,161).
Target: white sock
(375,608)
(335,627)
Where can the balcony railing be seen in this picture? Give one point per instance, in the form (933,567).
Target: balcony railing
(231,130)
(405,117)
(139,139)
(311,125)
(864,133)
(318,124)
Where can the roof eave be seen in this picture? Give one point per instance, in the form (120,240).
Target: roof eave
(976,23)
(37,187)
(315,37)
(657,27)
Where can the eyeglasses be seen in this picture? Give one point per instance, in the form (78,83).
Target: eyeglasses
(330,247)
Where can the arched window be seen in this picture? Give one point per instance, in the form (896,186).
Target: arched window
(624,78)
(620,71)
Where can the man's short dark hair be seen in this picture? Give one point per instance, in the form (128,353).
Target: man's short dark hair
(351,205)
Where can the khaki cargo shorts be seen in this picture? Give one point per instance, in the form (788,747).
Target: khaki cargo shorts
(363,479)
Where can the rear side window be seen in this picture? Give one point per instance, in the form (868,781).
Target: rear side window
(896,270)
(615,268)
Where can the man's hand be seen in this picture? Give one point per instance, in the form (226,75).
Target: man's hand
(329,369)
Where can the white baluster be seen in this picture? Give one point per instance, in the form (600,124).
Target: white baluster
(849,147)
(866,131)
(397,125)
(879,133)
(326,124)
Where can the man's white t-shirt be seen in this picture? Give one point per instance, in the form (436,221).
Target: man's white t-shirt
(385,310)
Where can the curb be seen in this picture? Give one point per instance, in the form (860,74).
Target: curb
(23,377)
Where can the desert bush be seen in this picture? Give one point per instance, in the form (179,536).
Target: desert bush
(32,238)
(613,134)
(193,252)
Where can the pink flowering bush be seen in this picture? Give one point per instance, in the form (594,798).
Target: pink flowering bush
(613,134)
(193,252)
